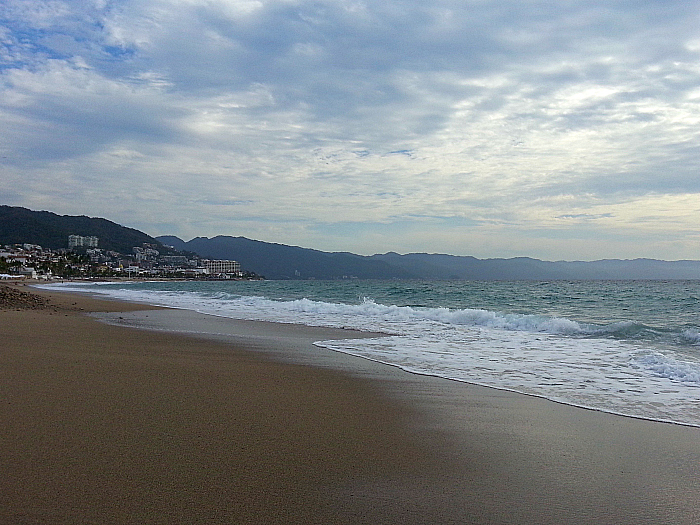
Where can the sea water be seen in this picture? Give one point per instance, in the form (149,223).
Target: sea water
(626,347)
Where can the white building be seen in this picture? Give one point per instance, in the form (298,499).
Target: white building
(28,272)
(75,241)
(216,267)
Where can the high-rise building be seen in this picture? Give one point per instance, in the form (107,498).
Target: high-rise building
(75,241)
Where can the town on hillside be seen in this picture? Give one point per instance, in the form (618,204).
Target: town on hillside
(85,260)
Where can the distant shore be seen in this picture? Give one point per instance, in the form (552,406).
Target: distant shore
(112,424)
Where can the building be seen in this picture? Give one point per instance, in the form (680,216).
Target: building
(27,272)
(75,241)
(215,267)
(145,254)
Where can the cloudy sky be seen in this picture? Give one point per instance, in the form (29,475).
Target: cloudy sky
(557,130)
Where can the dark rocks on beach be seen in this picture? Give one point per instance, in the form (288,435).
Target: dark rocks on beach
(13,299)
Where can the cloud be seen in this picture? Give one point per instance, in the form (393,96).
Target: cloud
(280,119)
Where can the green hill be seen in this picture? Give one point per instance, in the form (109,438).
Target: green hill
(49,230)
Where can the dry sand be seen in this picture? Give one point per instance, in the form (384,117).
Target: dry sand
(251,424)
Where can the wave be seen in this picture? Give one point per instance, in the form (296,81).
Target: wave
(670,368)
(370,309)
(367,313)
(478,318)
(690,337)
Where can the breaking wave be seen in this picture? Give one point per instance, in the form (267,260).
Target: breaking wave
(673,369)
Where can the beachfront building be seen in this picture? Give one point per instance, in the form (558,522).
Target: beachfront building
(27,272)
(218,267)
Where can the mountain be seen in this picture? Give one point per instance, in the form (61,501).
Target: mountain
(49,230)
(171,240)
(278,261)
(454,267)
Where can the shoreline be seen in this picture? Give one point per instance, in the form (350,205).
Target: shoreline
(352,332)
(426,449)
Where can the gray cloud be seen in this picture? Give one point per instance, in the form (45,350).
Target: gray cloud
(496,119)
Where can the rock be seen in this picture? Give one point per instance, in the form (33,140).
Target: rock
(13,299)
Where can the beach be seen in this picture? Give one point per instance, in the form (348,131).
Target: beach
(141,415)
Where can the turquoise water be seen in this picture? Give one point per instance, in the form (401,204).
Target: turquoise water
(628,347)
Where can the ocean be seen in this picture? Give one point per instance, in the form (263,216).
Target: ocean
(625,347)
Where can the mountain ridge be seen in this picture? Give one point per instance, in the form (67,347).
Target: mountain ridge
(280,261)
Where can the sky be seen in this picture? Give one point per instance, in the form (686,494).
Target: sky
(565,130)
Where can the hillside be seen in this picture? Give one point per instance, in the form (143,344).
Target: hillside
(279,261)
(49,230)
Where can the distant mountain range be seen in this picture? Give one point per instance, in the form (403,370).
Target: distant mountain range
(278,261)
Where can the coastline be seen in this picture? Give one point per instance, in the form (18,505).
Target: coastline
(129,425)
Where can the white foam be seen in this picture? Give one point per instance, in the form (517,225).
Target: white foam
(691,337)
(671,368)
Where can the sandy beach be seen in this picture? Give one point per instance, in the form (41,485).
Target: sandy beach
(113,417)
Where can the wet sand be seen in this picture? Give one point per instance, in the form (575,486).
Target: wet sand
(244,422)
